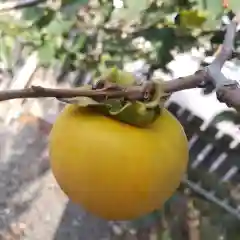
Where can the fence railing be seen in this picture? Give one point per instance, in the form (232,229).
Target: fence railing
(214,166)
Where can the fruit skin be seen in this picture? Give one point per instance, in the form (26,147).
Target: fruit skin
(114,170)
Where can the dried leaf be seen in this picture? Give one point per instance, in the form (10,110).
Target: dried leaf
(81,101)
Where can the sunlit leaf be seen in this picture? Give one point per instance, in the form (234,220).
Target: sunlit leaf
(12,27)
(192,18)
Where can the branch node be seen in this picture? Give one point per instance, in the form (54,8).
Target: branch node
(37,88)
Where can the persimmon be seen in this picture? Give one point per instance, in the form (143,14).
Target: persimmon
(112,169)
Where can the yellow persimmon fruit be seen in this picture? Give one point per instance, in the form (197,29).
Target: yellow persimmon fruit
(114,170)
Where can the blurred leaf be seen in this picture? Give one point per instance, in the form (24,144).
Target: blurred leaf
(192,18)
(222,190)
(120,77)
(32,13)
(134,113)
(70,8)
(34,37)
(46,53)
(79,43)
(59,26)
(209,181)
(38,16)
(166,235)
(232,227)
(131,11)
(6,46)
(228,115)
(76,3)
(12,27)
(208,231)
(158,34)
(213,6)
(186,42)
(131,113)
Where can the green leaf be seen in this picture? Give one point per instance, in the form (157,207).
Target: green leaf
(32,13)
(70,8)
(158,34)
(163,41)
(59,26)
(131,11)
(192,18)
(38,16)
(13,28)
(79,43)
(119,77)
(134,113)
(46,53)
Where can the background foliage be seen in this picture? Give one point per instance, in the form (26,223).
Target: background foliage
(85,37)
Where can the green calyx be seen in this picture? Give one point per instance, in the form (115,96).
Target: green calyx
(139,113)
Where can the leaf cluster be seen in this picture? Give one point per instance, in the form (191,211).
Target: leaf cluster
(92,35)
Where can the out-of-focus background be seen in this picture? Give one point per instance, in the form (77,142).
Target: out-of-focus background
(66,44)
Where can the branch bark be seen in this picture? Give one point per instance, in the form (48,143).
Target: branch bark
(111,91)
(135,92)
(228,91)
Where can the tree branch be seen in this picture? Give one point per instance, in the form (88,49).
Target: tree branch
(134,92)
(111,91)
(228,91)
